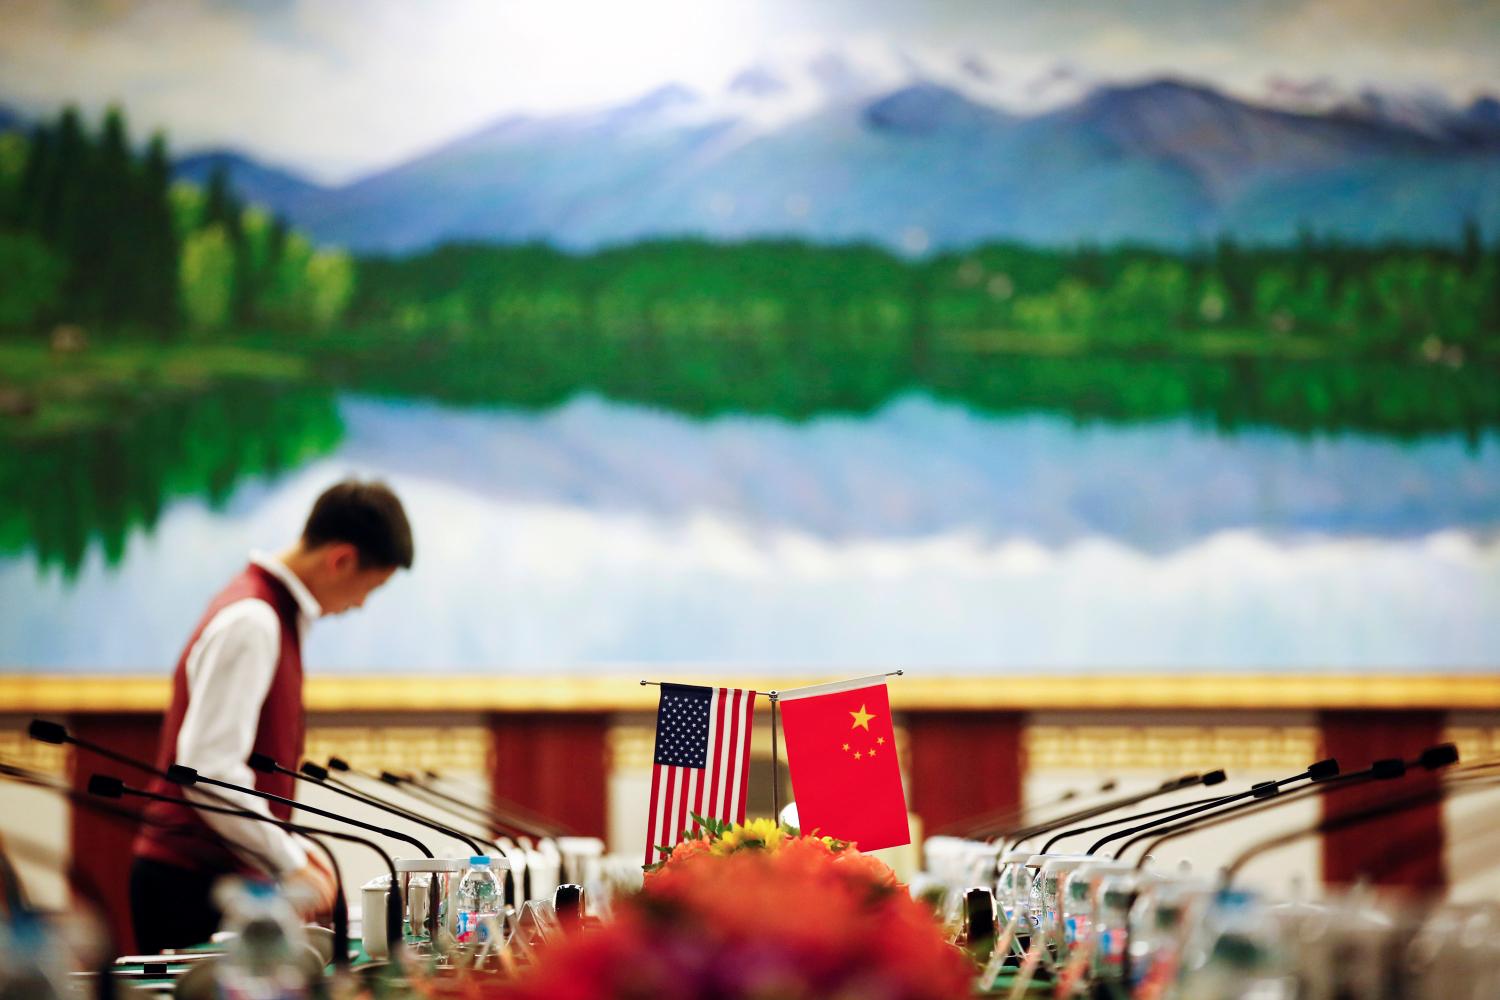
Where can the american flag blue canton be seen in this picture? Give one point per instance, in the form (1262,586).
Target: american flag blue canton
(682,725)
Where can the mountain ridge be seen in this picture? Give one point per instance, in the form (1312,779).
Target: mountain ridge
(920,166)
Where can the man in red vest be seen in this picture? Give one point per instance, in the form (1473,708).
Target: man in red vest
(237,689)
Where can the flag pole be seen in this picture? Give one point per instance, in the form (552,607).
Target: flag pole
(775,764)
(767,694)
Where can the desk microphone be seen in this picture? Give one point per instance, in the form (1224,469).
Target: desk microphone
(1323,770)
(408,784)
(478,842)
(500,825)
(57,734)
(313,774)
(520,819)
(1170,785)
(1362,816)
(179,774)
(1001,821)
(108,787)
(1434,758)
(80,880)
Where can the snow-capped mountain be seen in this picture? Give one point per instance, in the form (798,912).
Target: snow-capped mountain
(913,152)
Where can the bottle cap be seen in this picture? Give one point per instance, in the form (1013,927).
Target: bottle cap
(482,860)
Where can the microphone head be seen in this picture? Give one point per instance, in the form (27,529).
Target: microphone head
(47,732)
(1214,777)
(1109,785)
(1323,770)
(181,775)
(1180,782)
(105,786)
(316,772)
(389,778)
(337,764)
(262,763)
(431,775)
(1264,789)
(1440,756)
(1390,767)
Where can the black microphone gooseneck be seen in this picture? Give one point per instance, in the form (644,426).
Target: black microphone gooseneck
(313,774)
(1432,759)
(501,826)
(517,818)
(1000,822)
(476,841)
(108,787)
(79,879)
(1166,787)
(498,827)
(186,776)
(1080,830)
(1323,770)
(178,774)
(1460,784)
(57,734)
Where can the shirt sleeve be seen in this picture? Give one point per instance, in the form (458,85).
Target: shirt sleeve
(229,672)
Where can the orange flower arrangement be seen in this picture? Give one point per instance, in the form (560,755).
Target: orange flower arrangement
(803,918)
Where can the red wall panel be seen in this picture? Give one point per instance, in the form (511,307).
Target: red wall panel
(553,763)
(964,764)
(101,844)
(1404,849)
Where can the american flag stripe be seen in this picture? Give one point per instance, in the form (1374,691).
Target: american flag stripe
(718,788)
(721,699)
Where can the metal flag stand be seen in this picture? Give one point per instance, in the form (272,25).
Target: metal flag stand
(775,697)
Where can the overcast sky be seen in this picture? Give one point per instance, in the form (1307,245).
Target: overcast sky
(336,88)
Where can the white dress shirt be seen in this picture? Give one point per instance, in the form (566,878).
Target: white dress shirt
(229,672)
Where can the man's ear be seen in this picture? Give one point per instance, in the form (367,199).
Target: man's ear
(342,558)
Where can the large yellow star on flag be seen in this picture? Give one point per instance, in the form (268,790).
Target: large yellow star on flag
(861,719)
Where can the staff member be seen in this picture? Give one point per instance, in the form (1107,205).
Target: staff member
(237,690)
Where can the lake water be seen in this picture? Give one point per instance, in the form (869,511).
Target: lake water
(597,536)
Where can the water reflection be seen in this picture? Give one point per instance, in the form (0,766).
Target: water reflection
(101,486)
(595,536)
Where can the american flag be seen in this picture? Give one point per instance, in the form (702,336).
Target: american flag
(702,760)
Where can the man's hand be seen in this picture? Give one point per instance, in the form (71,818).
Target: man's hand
(311,889)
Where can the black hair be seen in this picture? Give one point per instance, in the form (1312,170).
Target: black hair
(366,515)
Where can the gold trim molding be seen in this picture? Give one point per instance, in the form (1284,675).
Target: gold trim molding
(57,693)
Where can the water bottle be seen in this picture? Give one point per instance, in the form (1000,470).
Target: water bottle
(478,897)
(265,960)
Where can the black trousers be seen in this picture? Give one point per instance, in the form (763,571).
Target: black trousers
(171,907)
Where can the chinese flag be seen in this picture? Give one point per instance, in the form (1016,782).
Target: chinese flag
(842,753)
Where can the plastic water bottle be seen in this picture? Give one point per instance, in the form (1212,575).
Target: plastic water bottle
(478,897)
(263,961)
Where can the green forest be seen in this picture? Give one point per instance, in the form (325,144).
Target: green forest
(122,287)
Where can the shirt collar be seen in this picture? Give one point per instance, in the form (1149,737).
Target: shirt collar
(306,602)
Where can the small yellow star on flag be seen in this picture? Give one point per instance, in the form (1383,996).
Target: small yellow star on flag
(856,755)
(872,751)
(880,740)
(846,746)
(861,719)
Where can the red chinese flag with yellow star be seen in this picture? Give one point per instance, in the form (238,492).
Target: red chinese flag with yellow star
(842,753)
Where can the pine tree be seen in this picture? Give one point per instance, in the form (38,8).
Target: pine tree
(105,250)
(63,215)
(222,207)
(157,247)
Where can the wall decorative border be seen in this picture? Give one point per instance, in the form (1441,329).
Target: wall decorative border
(60,693)
(1169,747)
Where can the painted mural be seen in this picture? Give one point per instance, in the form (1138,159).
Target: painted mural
(969,337)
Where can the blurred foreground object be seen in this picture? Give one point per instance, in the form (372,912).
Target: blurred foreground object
(759,910)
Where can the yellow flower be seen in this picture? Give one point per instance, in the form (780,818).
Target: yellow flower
(762,833)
